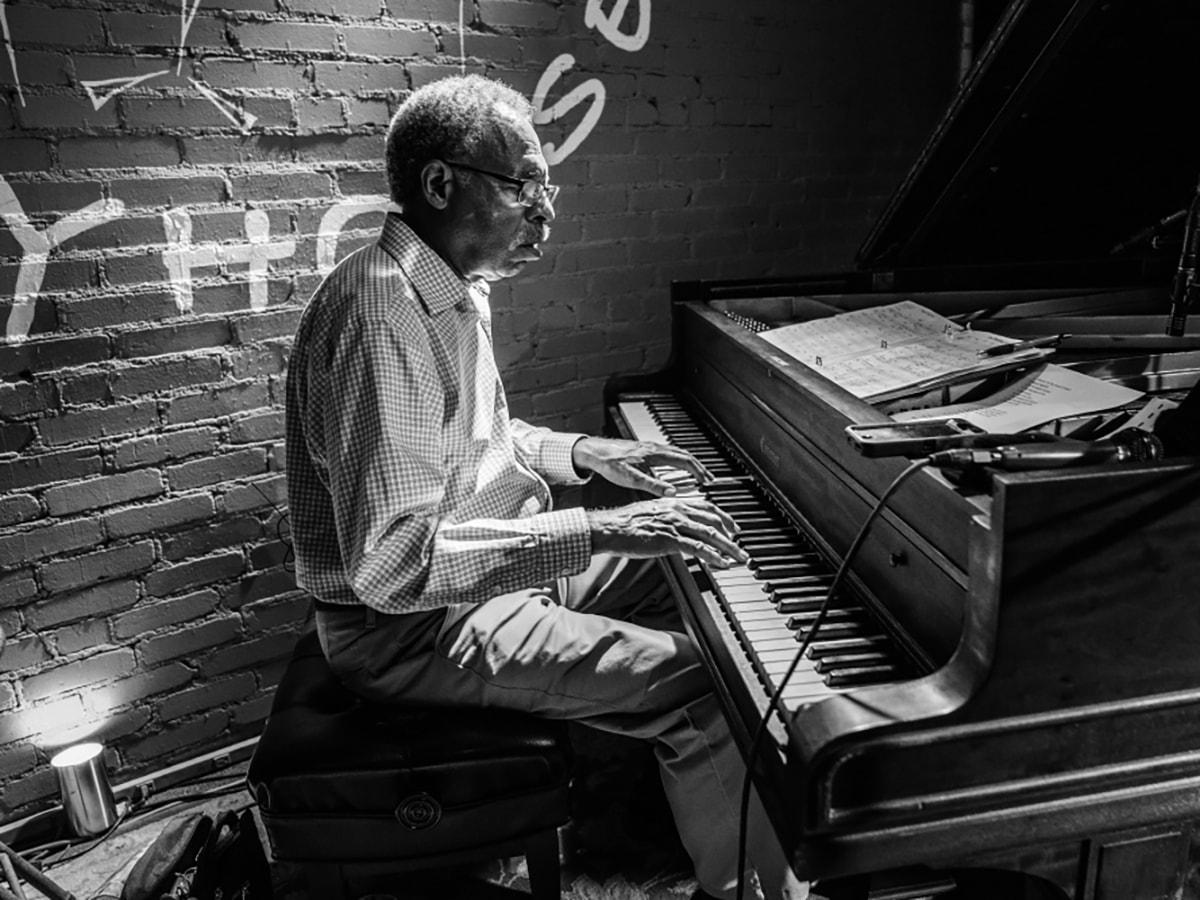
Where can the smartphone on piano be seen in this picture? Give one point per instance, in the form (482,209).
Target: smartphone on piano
(912,438)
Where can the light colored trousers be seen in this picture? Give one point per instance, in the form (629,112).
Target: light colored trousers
(570,651)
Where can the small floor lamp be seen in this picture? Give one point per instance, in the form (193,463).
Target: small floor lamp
(86,796)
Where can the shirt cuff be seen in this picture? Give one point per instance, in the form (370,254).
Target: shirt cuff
(566,540)
(554,458)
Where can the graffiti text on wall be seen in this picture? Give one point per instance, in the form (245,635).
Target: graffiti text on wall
(181,258)
(609,25)
(35,250)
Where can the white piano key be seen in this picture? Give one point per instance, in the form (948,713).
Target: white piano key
(641,422)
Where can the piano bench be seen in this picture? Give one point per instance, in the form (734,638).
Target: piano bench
(355,792)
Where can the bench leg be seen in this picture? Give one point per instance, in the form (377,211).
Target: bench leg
(541,859)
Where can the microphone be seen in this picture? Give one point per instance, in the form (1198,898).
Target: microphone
(1130,445)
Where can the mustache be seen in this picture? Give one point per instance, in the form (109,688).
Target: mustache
(538,235)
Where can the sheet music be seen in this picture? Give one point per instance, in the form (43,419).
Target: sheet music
(875,353)
(1042,395)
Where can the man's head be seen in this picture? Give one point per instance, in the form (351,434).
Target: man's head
(458,153)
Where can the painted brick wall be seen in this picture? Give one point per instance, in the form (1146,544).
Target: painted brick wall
(174,180)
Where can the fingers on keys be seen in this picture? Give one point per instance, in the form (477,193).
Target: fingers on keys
(714,530)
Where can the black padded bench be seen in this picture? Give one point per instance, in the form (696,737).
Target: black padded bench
(354,791)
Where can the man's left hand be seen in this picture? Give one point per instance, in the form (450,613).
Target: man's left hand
(629,463)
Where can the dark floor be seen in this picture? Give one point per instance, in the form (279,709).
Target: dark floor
(621,844)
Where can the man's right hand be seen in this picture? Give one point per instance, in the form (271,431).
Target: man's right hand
(652,528)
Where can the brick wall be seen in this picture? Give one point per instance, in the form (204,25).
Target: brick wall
(173,183)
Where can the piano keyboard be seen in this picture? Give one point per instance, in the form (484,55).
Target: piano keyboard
(771,602)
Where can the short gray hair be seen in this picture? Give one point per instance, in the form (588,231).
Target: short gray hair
(448,118)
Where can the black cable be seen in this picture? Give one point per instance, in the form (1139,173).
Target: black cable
(91,844)
(133,809)
(164,802)
(130,814)
(773,704)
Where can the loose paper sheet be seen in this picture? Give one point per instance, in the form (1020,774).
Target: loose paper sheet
(1042,395)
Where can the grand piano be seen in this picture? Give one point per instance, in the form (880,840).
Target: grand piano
(1010,679)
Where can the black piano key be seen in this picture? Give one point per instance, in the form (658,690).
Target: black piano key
(829,646)
(758,523)
(757,533)
(802,618)
(803,598)
(735,505)
(840,661)
(805,617)
(802,605)
(863,675)
(800,586)
(736,489)
(835,630)
(776,554)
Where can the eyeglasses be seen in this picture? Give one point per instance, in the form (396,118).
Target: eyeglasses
(530,191)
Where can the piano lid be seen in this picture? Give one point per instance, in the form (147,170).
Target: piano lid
(1074,132)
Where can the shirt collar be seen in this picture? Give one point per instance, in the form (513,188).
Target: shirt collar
(437,284)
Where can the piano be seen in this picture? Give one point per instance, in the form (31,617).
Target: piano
(1010,679)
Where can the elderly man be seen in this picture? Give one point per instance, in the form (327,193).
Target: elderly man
(421,512)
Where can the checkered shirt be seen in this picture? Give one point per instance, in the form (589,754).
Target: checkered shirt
(409,486)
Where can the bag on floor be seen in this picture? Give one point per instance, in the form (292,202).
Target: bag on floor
(202,858)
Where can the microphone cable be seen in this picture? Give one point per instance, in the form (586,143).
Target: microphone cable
(760,730)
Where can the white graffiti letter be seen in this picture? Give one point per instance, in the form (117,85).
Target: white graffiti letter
(542,116)
(259,253)
(610,25)
(335,220)
(37,246)
(181,257)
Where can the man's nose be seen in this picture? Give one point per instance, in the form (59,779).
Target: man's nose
(543,210)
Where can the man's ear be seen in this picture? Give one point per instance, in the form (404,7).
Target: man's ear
(437,183)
